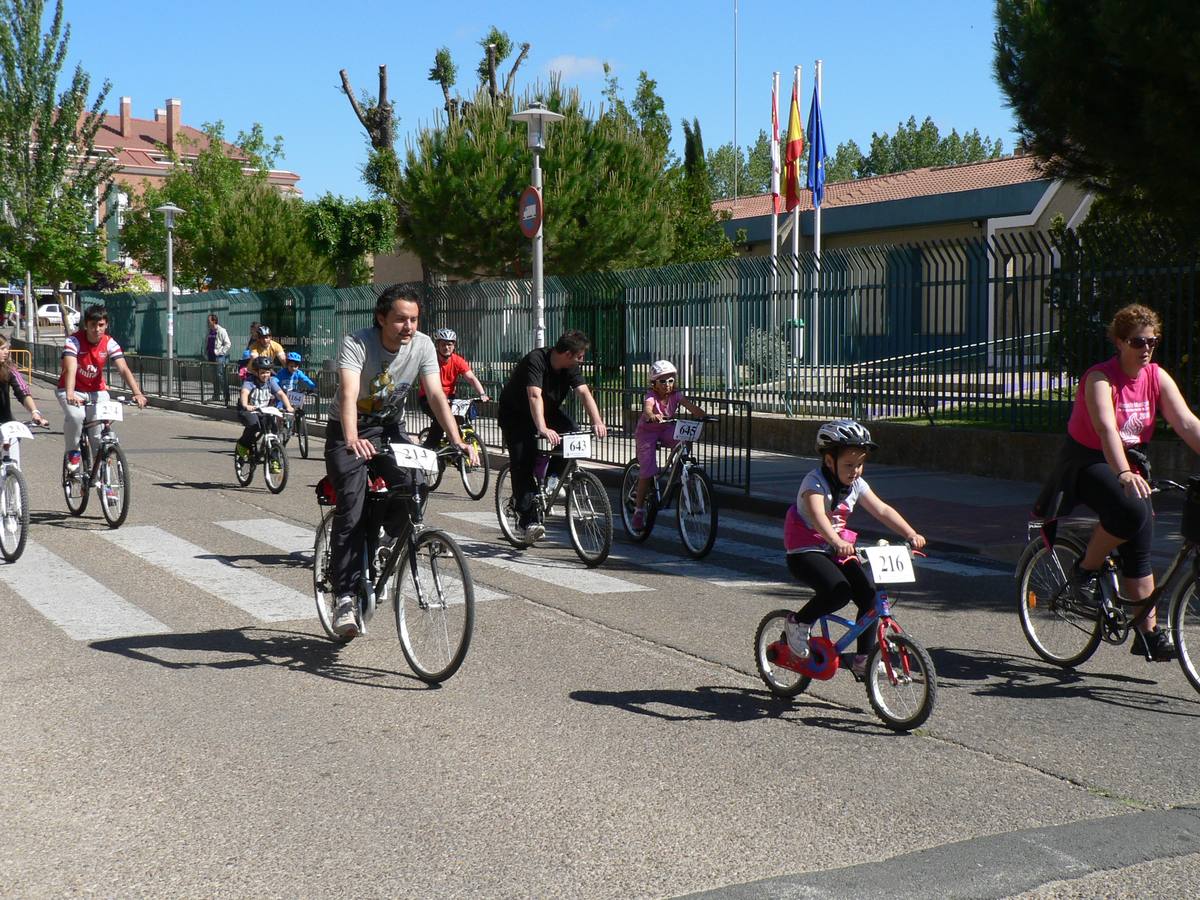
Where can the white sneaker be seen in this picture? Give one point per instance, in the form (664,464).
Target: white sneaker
(535,531)
(345,622)
(797,636)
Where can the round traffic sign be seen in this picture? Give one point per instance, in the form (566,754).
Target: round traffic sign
(529,212)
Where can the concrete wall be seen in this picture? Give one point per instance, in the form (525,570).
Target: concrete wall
(996,454)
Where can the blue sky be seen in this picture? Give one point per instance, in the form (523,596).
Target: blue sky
(246,61)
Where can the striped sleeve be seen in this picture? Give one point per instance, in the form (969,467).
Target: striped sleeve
(71,346)
(114,350)
(19,387)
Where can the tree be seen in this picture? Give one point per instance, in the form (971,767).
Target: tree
(50,176)
(1122,122)
(345,231)
(697,230)
(753,168)
(846,164)
(603,182)
(914,146)
(237,231)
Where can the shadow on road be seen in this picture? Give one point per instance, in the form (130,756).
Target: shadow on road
(241,648)
(195,485)
(721,703)
(1025,678)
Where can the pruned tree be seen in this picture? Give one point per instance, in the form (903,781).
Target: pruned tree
(345,231)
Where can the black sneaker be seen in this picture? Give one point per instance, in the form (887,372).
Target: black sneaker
(1086,586)
(1154,646)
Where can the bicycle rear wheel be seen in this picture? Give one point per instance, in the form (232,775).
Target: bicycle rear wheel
(275,466)
(903,698)
(14,514)
(474,478)
(74,489)
(629,483)
(243,467)
(1059,627)
(422,439)
(322,582)
(112,477)
(783,682)
(435,606)
(1185,629)
(302,436)
(589,518)
(506,510)
(696,512)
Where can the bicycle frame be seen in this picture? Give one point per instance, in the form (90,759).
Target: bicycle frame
(106,437)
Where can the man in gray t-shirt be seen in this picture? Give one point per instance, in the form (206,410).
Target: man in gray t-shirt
(377,368)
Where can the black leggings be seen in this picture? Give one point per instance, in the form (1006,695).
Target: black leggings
(833,587)
(1121,515)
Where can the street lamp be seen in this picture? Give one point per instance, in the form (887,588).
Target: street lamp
(170,211)
(537,120)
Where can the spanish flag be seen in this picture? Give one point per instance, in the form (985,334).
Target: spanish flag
(793,151)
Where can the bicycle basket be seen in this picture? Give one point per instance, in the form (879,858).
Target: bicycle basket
(1190,526)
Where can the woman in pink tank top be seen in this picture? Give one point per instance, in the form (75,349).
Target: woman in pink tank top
(1114,412)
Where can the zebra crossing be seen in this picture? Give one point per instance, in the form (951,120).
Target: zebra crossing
(85,609)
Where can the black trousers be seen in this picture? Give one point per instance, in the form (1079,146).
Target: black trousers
(349,475)
(520,438)
(833,587)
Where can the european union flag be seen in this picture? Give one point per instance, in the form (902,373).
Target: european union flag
(816,152)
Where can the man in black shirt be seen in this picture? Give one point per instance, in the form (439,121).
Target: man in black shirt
(529,409)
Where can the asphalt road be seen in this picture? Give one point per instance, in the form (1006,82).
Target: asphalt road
(175,723)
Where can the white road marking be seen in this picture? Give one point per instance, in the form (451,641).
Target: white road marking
(670,563)
(298,541)
(256,594)
(572,575)
(74,601)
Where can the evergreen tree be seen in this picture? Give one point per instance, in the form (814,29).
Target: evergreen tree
(914,146)
(1105,94)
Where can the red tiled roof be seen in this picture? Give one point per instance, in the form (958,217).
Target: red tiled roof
(901,185)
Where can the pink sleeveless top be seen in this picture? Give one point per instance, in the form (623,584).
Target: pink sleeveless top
(1135,401)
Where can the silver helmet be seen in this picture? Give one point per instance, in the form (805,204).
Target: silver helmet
(832,436)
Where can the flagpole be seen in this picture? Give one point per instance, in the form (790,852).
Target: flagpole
(735,74)
(774,187)
(816,306)
(796,246)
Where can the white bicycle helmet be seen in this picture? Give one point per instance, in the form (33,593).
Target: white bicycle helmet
(832,436)
(445,334)
(661,368)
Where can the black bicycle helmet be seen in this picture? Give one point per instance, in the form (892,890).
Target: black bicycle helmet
(833,436)
(262,362)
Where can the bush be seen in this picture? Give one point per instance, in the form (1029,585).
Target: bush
(766,353)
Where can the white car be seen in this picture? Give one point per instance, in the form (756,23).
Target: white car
(51,314)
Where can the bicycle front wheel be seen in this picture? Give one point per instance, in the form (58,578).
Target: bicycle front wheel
(589,518)
(275,466)
(435,606)
(506,510)
(696,512)
(1185,629)
(322,580)
(74,489)
(14,514)
(474,478)
(1059,627)
(901,682)
(302,436)
(783,682)
(112,477)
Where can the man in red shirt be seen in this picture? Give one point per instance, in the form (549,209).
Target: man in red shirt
(450,367)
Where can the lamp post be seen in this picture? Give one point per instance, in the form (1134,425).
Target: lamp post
(30,310)
(537,120)
(170,211)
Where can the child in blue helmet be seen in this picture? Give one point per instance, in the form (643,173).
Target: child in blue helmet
(293,380)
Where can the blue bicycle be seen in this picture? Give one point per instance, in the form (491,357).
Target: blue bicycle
(901,681)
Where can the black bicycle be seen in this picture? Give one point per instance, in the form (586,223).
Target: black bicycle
(420,570)
(295,425)
(1065,628)
(474,477)
(107,471)
(589,514)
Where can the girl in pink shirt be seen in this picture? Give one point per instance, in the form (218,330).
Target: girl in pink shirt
(662,401)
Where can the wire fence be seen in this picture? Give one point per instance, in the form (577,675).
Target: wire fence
(991,332)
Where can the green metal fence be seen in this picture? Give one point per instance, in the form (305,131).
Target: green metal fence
(987,332)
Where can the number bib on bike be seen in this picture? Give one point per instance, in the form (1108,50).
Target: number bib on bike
(890,564)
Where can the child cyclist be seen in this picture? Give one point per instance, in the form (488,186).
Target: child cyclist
(662,401)
(820,549)
(258,389)
(292,379)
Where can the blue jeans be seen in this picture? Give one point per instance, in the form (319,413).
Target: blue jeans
(220,391)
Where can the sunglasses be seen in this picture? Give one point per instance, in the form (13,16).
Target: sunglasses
(1137,342)
(669,379)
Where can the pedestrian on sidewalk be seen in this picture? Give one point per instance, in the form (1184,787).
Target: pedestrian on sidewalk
(216,351)
(1110,427)
(820,548)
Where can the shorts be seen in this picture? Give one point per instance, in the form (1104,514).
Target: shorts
(648,438)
